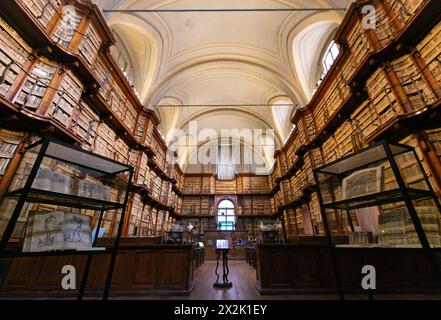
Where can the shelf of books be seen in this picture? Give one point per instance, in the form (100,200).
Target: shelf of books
(434,137)
(430,50)
(405,10)
(386,25)
(14,53)
(65,187)
(416,87)
(90,46)
(42,11)
(225,186)
(66,27)
(9,142)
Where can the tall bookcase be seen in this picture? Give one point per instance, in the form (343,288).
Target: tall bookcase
(65,199)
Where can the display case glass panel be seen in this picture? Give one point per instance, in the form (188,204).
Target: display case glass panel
(368,199)
(67,199)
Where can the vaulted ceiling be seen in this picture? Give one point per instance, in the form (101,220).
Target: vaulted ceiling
(224,59)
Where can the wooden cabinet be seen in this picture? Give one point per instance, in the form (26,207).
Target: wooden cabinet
(141,269)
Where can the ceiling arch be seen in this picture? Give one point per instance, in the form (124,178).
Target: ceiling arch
(226,59)
(146,46)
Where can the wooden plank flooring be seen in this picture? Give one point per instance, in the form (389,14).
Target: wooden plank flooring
(243,278)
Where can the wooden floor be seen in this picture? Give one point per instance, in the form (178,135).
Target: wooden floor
(243,278)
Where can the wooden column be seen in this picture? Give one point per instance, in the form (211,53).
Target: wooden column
(13,165)
(79,35)
(128,215)
(50,93)
(13,91)
(425,71)
(392,16)
(431,158)
(397,88)
(50,28)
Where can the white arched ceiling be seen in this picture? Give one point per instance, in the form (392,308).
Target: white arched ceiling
(224,58)
(307,48)
(169,116)
(282,109)
(145,45)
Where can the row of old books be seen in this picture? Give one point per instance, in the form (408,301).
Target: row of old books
(67,104)
(254,206)
(396,227)
(381,96)
(430,50)
(9,141)
(13,55)
(145,220)
(381,107)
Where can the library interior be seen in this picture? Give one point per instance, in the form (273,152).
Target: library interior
(242,150)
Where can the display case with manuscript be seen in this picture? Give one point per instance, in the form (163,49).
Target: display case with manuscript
(378,202)
(380,197)
(61,201)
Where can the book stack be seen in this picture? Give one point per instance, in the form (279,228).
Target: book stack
(66,27)
(12,56)
(121,151)
(309,125)
(330,150)
(9,141)
(404,10)
(149,132)
(365,121)
(139,128)
(343,136)
(412,81)
(259,184)
(225,186)
(42,10)
(282,163)
(286,189)
(396,228)
(359,45)
(135,215)
(104,143)
(102,73)
(118,102)
(381,97)
(291,157)
(430,50)
(435,138)
(36,85)
(90,45)
(385,30)
(85,124)
(430,220)
(66,100)
(295,187)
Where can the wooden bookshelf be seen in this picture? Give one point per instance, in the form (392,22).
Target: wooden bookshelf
(88,98)
(9,141)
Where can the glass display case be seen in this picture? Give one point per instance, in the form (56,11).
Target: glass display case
(379,209)
(379,197)
(61,201)
(271,231)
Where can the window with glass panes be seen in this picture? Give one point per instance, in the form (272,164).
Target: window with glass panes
(226,218)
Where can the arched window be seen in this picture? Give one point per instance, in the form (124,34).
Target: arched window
(329,57)
(226,219)
(121,55)
(328,60)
